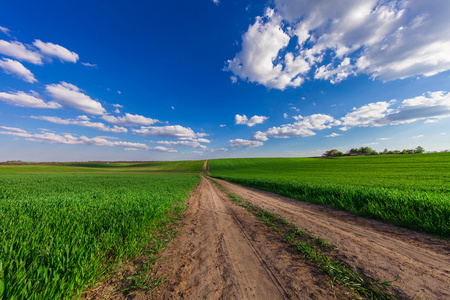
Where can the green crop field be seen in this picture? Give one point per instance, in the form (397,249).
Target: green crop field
(410,190)
(61,231)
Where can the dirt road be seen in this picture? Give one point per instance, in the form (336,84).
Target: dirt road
(419,263)
(224,252)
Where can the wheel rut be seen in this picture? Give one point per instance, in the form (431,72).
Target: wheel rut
(419,263)
(224,252)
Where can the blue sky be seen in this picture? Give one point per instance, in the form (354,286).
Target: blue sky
(114,80)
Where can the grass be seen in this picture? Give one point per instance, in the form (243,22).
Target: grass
(191,167)
(409,190)
(317,250)
(62,232)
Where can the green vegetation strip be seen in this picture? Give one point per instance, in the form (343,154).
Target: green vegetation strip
(317,250)
(60,233)
(409,190)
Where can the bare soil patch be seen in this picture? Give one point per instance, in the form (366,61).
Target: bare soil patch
(418,262)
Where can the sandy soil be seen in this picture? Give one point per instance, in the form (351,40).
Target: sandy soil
(224,252)
(419,263)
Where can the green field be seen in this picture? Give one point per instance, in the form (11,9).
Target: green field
(61,231)
(410,190)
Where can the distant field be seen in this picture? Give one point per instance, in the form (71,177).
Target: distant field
(411,190)
(145,167)
(61,232)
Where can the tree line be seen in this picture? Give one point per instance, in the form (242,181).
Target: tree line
(370,151)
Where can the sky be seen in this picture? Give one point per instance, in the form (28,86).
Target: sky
(181,80)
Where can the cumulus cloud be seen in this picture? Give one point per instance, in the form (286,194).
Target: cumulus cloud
(367,115)
(217,150)
(243,120)
(173,131)
(82,121)
(302,128)
(163,149)
(70,95)
(260,136)
(387,40)
(193,144)
(27,100)
(203,140)
(429,105)
(20,52)
(53,50)
(240,143)
(333,135)
(129,120)
(14,67)
(70,139)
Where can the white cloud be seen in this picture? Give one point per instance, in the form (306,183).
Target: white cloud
(432,105)
(429,105)
(27,100)
(388,40)
(53,50)
(193,144)
(117,111)
(383,139)
(70,95)
(302,128)
(82,121)
(89,64)
(243,120)
(418,136)
(285,115)
(117,105)
(14,67)
(129,120)
(217,150)
(20,52)
(260,136)
(53,138)
(367,115)
(173,131)
(222,125)
(430,121)
(203,140)
(5,30)
(13,129)
(333,135)
(240,143)
(163,149)
(257,60)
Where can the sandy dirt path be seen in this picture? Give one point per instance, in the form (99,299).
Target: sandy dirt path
(224,252)
(419,262)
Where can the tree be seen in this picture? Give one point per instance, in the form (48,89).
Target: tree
(419,149)
(332,153)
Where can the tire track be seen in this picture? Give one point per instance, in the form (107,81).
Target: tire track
(420,263)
